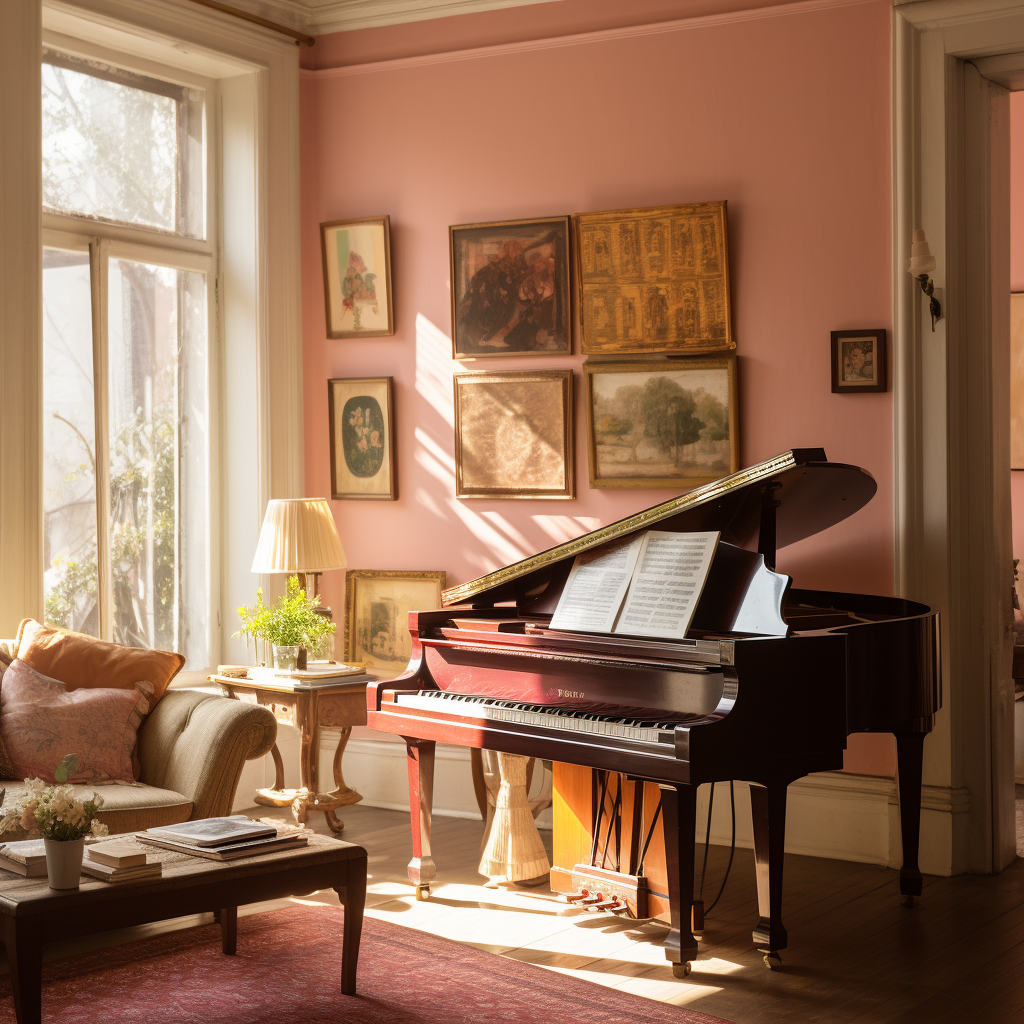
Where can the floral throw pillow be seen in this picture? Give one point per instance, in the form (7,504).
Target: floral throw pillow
(41,721)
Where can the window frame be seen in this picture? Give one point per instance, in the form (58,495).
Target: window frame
(106,240)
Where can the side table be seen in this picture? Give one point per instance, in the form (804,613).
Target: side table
(309,709)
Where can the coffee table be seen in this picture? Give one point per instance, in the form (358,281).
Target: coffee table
(33,914)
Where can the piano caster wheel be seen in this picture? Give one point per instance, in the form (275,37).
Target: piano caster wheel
(423,892)
(908,901)
(681,970)
(772,960)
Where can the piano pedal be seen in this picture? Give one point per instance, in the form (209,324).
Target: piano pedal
(602,889)
(772,960)
(423,891)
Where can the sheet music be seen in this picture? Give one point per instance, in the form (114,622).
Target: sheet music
(667,583)
(592,595)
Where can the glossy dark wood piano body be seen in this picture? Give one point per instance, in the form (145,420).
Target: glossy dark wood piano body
(762,709)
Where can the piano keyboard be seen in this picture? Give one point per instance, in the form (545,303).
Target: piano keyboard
(548,716)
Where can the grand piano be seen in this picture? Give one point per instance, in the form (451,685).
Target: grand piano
(765,688)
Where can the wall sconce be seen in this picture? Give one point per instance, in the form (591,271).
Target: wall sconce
(921,263)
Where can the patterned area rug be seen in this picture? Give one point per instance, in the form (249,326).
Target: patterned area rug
(287,971)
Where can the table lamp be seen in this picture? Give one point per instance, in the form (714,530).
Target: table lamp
(299,537)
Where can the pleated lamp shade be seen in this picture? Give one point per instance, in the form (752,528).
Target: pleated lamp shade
(298,535)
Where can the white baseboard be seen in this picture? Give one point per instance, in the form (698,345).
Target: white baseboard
(833,814)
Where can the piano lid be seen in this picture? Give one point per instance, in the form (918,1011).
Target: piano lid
(812,494)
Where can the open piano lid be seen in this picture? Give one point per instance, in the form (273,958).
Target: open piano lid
(812,495)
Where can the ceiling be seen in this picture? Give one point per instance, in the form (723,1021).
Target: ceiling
(317,17)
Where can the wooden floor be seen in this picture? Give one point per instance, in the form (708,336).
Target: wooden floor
(855,954)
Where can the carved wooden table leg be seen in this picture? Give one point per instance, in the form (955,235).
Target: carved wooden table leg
(353,898)
(342,793)
(309,755)
(228,930)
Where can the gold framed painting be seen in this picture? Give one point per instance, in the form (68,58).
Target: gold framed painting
(377,606)
(513,434)
(668,424)
(1017,380)
(357,277)
(510,288)
(654,280)
(362,422)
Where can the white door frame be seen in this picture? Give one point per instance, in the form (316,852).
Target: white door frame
(951,397)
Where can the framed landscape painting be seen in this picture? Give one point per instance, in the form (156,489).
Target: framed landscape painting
(361,419)
(513,434)
(670,424)
(357,277)
(377,606)
(510,288)
(655,280)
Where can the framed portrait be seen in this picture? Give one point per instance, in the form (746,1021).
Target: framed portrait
(357,277)
(513,434)
(510,288)
(362,423)
(377,606)
(654,280)
(669,424)
(858,361)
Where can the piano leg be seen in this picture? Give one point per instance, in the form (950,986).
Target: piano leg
(420,761)
(768,812)
(909,757)
(679,815)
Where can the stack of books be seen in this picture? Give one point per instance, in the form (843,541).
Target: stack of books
(27,857)
(224,838)
(119,861)
(326,674)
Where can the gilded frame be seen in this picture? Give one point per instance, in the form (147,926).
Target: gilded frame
(469,458)
(340,392)
(334,277)
(354,650)
(674,367)
(648,277)
(562,273)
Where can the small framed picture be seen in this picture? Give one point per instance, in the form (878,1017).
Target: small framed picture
(510,288)
(357,277)
(858,361)
(377,606)
(513,434)
(665,424)
(360,411)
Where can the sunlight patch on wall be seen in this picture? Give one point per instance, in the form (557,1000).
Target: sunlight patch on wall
(434,368)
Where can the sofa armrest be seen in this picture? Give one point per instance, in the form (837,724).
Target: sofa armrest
(197,744)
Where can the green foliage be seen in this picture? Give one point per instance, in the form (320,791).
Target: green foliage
(293,621)
(67,767)
(670,417)
(714,415)
(612,425)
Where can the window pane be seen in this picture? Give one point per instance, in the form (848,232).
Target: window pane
(159,441)
(122,147)
(69,471)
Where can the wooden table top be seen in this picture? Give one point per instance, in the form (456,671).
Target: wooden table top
(20,895)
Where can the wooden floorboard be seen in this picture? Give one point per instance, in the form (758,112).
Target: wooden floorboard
(855,956)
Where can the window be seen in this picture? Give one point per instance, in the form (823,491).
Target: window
(127,341)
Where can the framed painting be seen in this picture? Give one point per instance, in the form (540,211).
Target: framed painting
(654,280)
(357,277)
(858,361)
(513,434)
(669,424)
(510,288)
(377,606)
(361,416)
(1017,380)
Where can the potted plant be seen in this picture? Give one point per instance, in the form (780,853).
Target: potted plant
(292,625)
(64,820)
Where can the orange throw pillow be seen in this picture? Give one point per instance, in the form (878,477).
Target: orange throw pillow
(78,660)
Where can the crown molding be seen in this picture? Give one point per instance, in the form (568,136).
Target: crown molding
(318,17)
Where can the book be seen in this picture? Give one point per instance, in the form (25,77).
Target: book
(212,831)
(116,853)
(323,675)
(106,873)
(647,585)
(28,856)
(228,851)
(37,870)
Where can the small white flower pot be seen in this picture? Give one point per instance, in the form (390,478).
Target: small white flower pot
(64,863)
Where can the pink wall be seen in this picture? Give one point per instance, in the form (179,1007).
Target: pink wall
(785,117)
(1017,280)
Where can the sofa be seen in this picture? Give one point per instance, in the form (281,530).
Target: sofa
(192,748)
